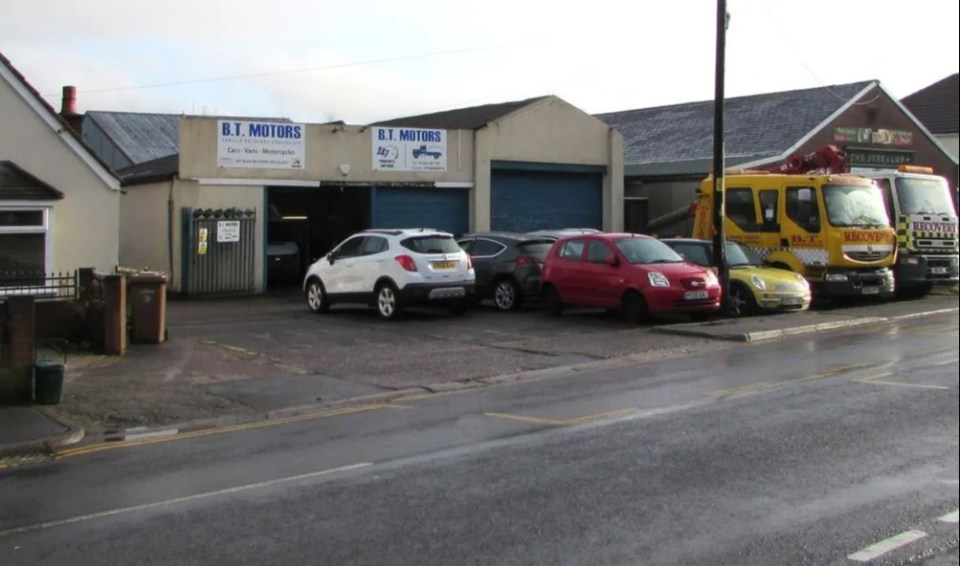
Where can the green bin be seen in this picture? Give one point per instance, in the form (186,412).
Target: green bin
(48,382)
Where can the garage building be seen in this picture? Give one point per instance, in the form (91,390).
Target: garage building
(248,204)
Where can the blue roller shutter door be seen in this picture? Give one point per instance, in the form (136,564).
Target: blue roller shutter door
(522,201)
(421,207)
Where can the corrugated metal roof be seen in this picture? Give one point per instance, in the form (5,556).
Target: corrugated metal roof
(938,105)
(18,184)
(471,118)
(759,125)
(140,136)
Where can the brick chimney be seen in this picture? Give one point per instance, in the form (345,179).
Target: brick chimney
(68,108)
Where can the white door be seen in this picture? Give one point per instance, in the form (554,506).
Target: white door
(340,277)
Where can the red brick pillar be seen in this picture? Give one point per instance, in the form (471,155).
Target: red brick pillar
(115,315)
(16,385)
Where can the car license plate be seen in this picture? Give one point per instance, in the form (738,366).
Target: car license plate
(792,301)
(870,290)
(695,295)
(449,293)
(444,264)
(938,270)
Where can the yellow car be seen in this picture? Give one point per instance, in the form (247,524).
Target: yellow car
(754,288)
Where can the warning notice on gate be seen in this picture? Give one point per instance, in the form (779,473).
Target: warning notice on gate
(228,231)
(409,149)
(260,145)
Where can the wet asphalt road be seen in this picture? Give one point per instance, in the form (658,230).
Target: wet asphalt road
(806,451)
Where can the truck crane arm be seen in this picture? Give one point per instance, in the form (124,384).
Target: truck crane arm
(826,160)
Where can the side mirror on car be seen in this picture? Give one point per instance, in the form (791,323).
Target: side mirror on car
(330,257)
(613,261)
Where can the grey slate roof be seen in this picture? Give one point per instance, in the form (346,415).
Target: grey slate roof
(937,106)
(17,184)
(471,118)
(140,136)
(161,169)
(756,126)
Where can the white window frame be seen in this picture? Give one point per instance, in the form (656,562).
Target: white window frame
(33,206)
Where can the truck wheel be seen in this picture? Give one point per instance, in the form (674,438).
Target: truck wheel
(914,291)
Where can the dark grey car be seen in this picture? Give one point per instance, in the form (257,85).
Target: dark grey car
(507,266)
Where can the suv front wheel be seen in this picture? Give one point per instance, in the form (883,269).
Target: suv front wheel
(317,297)
(388,301)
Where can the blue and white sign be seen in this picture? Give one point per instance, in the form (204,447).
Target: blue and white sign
(260,145)
(409,149)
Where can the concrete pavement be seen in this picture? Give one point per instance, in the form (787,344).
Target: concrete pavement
(230,361)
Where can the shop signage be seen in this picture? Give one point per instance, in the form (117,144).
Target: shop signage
(260,145)
(877,158)
(228,231)
(409,149)
(848,134)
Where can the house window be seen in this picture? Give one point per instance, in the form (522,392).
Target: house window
(24,245)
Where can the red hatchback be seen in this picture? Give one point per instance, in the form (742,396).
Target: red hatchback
(635,274)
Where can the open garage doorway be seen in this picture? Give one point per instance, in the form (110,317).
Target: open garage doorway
(305,223)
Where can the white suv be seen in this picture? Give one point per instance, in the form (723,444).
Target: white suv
(392,269)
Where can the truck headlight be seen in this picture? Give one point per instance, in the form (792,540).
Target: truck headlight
(758,282)
(836,277)
(910,260)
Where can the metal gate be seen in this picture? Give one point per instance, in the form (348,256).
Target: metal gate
(219,251)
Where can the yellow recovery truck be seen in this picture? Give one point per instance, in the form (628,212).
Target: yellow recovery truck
(832,229)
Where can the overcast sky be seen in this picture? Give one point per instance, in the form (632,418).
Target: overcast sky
(364,60)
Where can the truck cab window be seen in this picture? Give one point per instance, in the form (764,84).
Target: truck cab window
(769,210)
(741,208)
(803,209)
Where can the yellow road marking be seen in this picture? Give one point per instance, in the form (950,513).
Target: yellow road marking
(768,386)
(521,418)
(740,389)
(599,416)
(422,396)
(564,422)
(395,406)
(222,430)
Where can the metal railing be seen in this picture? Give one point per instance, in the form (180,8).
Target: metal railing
(38,285)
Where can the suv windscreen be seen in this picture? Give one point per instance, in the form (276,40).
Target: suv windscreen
(431,245)
(647,250)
